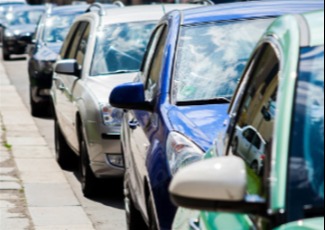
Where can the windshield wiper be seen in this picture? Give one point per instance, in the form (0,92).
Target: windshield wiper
(217,100)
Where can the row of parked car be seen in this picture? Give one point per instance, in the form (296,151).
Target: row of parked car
(218,108)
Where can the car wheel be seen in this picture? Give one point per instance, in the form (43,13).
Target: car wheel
(64,155)
(5,55)
(133,216)
(255,168)
(36,109)
(88,179)
(152,217)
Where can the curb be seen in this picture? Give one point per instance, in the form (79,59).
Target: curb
(51,203)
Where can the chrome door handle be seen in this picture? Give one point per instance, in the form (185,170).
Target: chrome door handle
(133,124)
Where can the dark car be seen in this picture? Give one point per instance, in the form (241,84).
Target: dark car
(5,6)
(50,34)
(20,25)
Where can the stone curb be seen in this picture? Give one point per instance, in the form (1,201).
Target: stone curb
(51,202)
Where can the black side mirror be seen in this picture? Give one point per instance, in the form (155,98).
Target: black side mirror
(68,67)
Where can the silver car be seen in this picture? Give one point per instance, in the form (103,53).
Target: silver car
(102,50)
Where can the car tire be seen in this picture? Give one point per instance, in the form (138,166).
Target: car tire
(64,155)
(5,55)
(89,182)
(36,109)
(133,216)
(152,217)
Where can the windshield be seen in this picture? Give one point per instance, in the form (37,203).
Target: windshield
(306,169)
(57,28)
(24,17)
(211,58)
(7,6)
(120,48)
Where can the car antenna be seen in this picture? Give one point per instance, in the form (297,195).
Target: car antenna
(163,6)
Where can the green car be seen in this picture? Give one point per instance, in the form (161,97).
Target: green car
(276,123)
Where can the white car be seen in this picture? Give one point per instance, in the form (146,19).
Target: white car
(102,50)
(250,145)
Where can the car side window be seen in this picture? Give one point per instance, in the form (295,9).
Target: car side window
(249,135)
(68,41)
(82,48)
(154,63)
(257,110)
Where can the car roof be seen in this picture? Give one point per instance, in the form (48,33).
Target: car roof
(29,7)
(141,13)
(315,21)
(73,9)
(253,9)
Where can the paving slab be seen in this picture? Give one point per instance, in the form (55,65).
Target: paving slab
(26,141)
(51,195)
(60,217)
(8,179)
(10,186)
(4,170)
(43,178)
(12,221)
(37,165)
(31,152)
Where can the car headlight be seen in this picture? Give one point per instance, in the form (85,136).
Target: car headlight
(9,34)
(181,152)
(111,116)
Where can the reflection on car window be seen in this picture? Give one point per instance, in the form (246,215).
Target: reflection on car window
(57,27)
(306,176)
(25,17)
(120,48)
(211,58)
(257,116)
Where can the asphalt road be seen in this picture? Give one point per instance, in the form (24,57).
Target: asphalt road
(106,211)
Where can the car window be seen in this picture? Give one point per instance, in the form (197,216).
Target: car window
(249,135)
(156,66)
(73,47)
(212,57)
(120,48)
(28,17)
(68,41)
(257,110)
(82,48)
(306,155)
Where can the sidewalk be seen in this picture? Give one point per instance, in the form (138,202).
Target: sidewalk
(34,193)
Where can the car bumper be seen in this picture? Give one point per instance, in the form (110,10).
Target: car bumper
(13,46)
(110,162)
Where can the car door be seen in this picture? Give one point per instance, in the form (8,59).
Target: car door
(259,87)
(141,123)
(65,85)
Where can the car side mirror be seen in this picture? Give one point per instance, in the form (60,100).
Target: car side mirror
(68,67)
(218,184)
(130,96)
(27,39)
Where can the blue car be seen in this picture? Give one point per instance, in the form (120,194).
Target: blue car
(179,101)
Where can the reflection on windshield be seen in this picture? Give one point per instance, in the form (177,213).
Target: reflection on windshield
(24,17)
(306,177)
(120,48)
(57,28)
(211,58)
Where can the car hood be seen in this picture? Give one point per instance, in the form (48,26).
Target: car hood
(199,123)
(48,52)
(22,29)
(102,86)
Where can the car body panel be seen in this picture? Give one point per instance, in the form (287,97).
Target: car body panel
(309,224)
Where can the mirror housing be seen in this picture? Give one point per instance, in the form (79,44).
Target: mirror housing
(218,184)
(130,96)
(68,67)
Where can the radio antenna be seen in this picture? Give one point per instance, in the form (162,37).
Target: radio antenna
(163,6)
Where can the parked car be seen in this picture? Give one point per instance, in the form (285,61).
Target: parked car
(19,28)
(43,52)
(180,99)
(287,67)
(250,145)
(103,49)
(5,6)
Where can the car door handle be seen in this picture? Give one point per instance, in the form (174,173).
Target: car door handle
(61,87)
(133,124)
